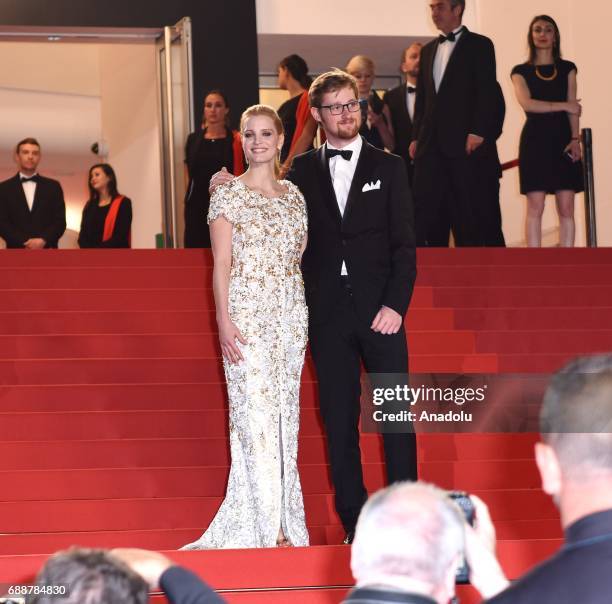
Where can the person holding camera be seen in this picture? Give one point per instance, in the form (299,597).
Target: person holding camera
(550,153)
(410,541)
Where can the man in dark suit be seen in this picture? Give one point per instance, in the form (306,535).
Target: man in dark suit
(401,103)
(575,463)
(359,270)
(32,209)
(458,116)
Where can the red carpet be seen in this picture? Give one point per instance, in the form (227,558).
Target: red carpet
(113,421)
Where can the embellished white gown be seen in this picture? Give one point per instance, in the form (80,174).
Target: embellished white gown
(267,304)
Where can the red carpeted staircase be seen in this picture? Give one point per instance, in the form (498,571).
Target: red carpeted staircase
(113,413)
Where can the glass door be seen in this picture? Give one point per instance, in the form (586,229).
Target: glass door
(175,70)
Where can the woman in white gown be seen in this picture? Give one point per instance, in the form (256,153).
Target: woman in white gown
(258,230)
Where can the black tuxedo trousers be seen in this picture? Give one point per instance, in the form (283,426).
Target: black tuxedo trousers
(338,346)
(458,193)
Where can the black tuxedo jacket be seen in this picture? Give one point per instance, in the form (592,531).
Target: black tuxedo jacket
(375,237)
(47,218)
(469,100)
(578,572)
(395,99)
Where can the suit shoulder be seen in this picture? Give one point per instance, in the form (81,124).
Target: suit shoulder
(430,46)
(384,157)
(480,40)
(306,156)
(9,181)
(50,181)
(392,93)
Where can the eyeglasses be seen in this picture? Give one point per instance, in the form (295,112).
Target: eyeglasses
(338,108)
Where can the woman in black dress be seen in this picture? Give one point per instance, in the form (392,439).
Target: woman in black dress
(300,127)
(376,115)
(211,148)
(107,216)
(550,153)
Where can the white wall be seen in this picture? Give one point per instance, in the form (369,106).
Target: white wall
(582,28)
(130,126)
(70,95)
(52,92)
(322,17)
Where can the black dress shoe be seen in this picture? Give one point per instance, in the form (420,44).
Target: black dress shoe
(350,535)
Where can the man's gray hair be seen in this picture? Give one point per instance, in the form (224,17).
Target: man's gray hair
(408,530)
(576,415)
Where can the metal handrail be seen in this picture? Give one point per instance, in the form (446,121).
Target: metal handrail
(590,217)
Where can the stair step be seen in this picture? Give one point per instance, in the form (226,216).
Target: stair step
(118,299)
(172,370)
(519,275)
(169,345)
(190,452)
(185,512)
(155,321)
(522,296)
(553,319)
(208,481)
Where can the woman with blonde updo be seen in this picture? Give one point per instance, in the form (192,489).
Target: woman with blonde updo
(258,230)
(376,116)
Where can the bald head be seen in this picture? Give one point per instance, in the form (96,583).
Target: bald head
(408,531)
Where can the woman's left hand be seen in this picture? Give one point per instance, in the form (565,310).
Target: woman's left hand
(575,150)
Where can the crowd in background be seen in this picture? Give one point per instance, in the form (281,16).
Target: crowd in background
(443,120)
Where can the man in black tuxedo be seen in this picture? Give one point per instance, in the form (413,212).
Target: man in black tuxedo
(401,102)
(359,270)
(458,117)
(32,209)
(575,463)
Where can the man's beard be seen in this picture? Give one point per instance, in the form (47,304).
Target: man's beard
(348,130)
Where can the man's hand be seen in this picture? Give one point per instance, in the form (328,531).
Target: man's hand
(472,143)
(486,574)
(219,178)
(412,149)
(387,321)
(149,565)
(35,244)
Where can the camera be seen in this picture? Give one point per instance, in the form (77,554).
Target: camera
(462,499)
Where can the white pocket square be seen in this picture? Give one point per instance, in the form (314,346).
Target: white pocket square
(371,186)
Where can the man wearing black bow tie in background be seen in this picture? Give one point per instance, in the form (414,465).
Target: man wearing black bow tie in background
(401,102)
(459,115)
(359,269)
(32,209)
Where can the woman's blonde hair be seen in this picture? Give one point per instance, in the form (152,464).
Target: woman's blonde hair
(267,111)
(361,62)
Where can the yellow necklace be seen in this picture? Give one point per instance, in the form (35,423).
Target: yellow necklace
(549,78)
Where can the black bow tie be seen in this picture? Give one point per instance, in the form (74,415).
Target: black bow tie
(451,37)
(410,89)
(344,153)
(30,179)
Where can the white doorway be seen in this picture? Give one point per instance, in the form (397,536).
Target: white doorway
(73,87)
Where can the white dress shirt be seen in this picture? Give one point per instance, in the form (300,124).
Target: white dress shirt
(29,189)
(443,55)
(342,172)
(410,100)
